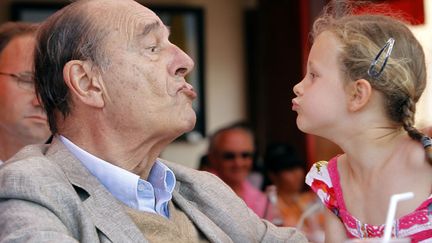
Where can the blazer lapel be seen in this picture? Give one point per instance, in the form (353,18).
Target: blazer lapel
(201,221)
(106,212)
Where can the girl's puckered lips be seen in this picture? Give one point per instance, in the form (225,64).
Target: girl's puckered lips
(295,105)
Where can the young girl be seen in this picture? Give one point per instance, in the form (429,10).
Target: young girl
(365,74)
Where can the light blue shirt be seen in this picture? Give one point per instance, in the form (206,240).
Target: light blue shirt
(149,196)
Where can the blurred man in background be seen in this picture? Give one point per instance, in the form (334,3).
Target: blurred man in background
(231,153)
(22,119)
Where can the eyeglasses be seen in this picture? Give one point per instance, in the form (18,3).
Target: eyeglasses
(232,155)
(372,69)
(25,80)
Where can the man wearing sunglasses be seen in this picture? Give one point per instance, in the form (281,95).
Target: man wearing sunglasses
(230,153)
(22,119)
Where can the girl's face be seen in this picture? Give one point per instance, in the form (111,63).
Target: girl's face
(321,98)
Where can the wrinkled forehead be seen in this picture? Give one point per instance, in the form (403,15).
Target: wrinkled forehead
(127,18)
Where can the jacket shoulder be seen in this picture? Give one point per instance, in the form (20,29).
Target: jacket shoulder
(31,174)
(31,163)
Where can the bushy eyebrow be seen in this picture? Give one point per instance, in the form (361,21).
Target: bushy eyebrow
(149,28)
(152,27)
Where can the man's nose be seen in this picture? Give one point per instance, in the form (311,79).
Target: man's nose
(35,101)
(182,64)
(239,160)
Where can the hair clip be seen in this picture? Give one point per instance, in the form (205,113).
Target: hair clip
(372,70)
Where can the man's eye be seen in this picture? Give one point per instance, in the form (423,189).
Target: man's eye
(153,49)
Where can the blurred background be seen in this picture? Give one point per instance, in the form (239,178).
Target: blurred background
(249,54)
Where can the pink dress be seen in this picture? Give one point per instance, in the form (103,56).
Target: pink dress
(323,178)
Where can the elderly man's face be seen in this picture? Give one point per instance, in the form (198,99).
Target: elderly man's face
(145,78)
(21,115)
(233,156)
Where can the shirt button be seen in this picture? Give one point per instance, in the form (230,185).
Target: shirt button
(141,187)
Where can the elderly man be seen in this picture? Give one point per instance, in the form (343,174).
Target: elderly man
(115,94)
(230,154)
(22,119)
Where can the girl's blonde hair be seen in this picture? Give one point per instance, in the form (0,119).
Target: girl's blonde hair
(403,78)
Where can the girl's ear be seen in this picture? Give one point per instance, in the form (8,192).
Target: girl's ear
(359,92)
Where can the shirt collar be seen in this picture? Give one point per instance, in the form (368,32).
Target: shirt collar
(152,195)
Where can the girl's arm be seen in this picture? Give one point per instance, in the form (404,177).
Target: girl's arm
(334,229)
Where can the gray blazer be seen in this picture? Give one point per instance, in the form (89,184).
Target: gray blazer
(47,195)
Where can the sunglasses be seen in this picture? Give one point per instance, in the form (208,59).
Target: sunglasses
(232,155)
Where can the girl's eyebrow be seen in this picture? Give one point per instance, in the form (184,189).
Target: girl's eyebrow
(311,64)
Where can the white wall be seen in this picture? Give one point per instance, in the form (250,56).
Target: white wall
(424,35)
(225,72)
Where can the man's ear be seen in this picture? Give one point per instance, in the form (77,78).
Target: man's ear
(84,82)
(359,92)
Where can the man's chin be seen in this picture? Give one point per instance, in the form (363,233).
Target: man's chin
(37,135)
(185,126)
(189,123)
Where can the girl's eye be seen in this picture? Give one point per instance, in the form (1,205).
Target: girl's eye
(312,75)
